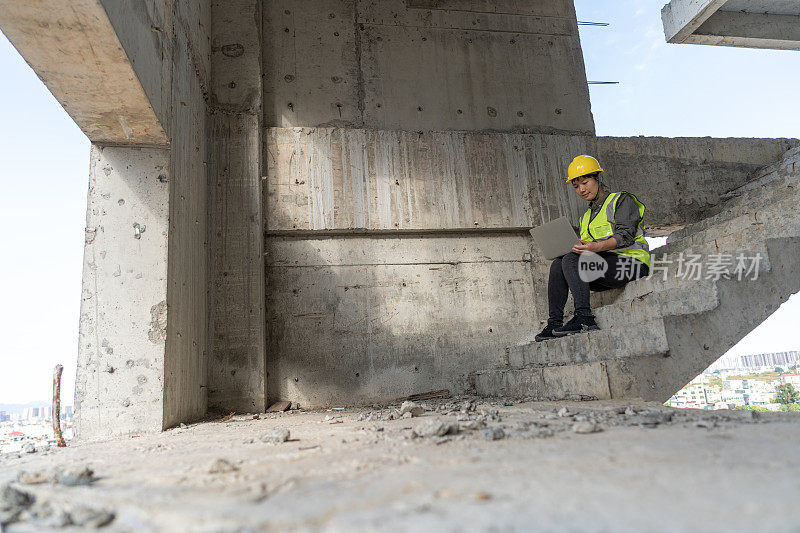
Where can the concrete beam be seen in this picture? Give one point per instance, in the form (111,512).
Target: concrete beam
(724,23)
(73,48)
(682,17)
(749,30)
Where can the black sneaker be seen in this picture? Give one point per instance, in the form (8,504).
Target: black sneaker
(578,324)
(546,334)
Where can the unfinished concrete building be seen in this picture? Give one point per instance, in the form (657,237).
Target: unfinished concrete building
(328,202)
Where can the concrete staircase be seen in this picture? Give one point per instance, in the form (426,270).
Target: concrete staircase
(659,332)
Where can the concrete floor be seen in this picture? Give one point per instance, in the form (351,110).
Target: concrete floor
(649,468)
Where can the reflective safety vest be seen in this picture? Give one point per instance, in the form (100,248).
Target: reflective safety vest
(601,227)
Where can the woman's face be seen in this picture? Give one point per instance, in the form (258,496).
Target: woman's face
(586,187)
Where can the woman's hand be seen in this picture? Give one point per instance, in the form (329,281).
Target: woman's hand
(587,247)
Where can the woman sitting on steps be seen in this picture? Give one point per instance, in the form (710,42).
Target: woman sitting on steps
(613,229)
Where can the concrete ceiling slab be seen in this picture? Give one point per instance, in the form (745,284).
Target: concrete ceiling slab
(73,48)
(744,23)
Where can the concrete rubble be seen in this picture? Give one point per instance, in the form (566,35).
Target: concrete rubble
(463,459)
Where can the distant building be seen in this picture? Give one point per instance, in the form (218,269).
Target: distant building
(763,361)
(793,379)
(37,414)
(4,416)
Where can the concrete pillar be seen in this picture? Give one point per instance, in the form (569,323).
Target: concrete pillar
(123,324)
(236,366)
(134,76)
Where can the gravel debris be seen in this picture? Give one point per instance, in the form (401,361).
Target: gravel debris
(221,466)
(412,409)
(75,477)
(12,504)
(586,427)
(493,434)
(90,518)
(275,436)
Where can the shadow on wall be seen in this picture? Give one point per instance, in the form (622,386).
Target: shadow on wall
(376,288)
(362,318)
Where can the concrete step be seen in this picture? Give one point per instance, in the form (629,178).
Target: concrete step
(772,184)
(574,382)
(780,218)
(637,340)
(689,297)
(787,166)
(697,322)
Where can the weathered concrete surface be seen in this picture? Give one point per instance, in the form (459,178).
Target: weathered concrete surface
(74,49)
(457,65)
(351,215)
(236,362)
(123,325)
(369,474)
(682,17)
(342,179)
(742,23)
(185,369)
(357,319)
(172,342)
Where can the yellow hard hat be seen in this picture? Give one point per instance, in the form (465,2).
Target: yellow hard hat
(581,166)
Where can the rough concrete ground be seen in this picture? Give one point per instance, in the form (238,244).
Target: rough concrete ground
(589,466)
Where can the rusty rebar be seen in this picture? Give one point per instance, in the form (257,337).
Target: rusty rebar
(57,406)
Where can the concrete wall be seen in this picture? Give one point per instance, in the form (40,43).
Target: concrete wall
(169,48)
(408,147)
(459,65)
(399,261)
(346,179)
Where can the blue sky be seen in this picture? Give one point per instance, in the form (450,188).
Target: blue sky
(44,169)
(678,90)
(669,90)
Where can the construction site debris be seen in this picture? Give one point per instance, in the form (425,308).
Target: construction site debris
(279,407)
(438,428)
(412,409)
(493,434)
(586,427)
(430,395)
(75,477)
(90,518)
(12,503)
(275,436)
(35,478)
(221,466)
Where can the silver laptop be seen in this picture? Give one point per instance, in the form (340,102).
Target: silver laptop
(555,238)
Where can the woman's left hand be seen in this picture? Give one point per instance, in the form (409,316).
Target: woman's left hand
(586,247)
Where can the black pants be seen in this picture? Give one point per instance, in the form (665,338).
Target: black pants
(564,277)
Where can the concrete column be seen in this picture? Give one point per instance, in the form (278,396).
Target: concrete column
(123,324)
(236,367)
